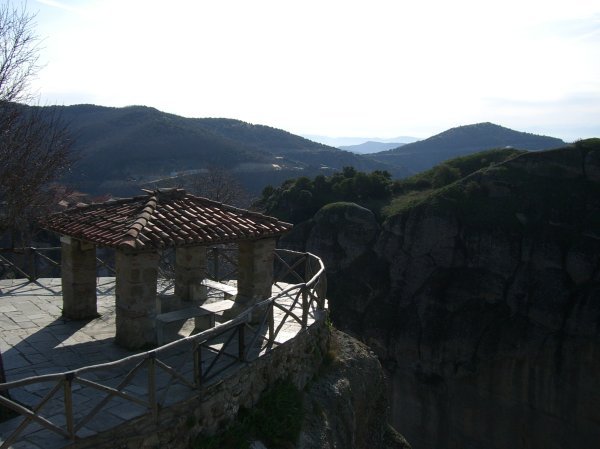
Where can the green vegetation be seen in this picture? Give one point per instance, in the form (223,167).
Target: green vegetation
(299,199)
(406,201)
(523,194)
(508,188)
(276,421)
(588,144)
(423,186)
(454,169)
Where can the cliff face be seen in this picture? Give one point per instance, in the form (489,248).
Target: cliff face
(482,301)
(347,405)
(344,406)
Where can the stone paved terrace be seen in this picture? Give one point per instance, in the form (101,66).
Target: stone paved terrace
(36,340)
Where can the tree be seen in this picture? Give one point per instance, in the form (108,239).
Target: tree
(219,185)
(444,175)
(34,144)
(34,147)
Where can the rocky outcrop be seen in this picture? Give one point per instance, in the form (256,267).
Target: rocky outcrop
(340,232)
(346,406)
(343,406)
(483,303)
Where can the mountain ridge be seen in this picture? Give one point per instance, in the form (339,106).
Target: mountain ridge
(118,149)
(121,149)
(371,146)
(462,140)
(346,141)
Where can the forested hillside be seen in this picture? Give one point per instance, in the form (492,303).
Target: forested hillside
(459,141)
(298,199)
(119,149)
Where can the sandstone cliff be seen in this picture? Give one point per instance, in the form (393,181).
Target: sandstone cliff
(482,300)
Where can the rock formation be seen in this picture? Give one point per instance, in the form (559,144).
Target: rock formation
(482,301)
(343,406)
(347,405)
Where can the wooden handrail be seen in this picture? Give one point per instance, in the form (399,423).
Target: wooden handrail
(31,254)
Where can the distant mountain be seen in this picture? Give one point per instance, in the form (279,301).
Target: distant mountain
(371,147)
(424,154)
(338,142)
(121,149)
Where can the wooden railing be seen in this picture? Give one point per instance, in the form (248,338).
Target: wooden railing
(34,263)
(221,263)
(207,354)
(29,262)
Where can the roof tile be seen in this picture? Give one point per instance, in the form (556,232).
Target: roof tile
(164,217)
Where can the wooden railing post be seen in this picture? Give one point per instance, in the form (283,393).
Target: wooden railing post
(67,385)
(197,349)
(215,261)
(30,256)
(152,385)
(271,319)
(308,273)
(241,342)
(305,307)
(4,393)
(306,297)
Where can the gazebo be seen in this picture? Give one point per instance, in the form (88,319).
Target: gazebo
(138,229)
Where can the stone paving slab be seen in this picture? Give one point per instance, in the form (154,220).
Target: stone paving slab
(35,339)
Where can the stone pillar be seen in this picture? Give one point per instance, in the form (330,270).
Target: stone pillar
(190,270)
(255,271)
(136,298)
(78,267)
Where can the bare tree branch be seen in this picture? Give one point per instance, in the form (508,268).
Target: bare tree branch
(18,53)
(34,144)
(220,185)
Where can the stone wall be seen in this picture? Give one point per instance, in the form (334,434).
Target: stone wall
(217,405)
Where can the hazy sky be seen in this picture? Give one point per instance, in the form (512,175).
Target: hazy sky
(340,68)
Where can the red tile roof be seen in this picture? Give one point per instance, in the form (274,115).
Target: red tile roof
(163,218)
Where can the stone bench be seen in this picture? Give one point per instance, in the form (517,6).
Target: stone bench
(228,290)
(204,317)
